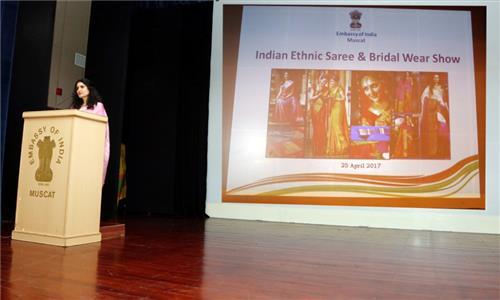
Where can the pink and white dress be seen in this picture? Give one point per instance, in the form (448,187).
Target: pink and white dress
(98,109)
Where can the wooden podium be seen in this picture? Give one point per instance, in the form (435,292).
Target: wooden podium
(60,178)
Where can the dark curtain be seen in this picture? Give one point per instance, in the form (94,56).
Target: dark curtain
(9,22)
(106,66)
(192,138)
(151,62)
(166,110)
(29,84)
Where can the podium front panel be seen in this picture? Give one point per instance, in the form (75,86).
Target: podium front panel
(60,178)
(43,176)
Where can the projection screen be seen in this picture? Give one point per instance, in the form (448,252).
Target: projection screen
(364,106)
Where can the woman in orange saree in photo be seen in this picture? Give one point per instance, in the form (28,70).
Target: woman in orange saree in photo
(337,132)
(405,140)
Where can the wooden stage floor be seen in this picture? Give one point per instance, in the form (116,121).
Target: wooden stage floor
(231,259)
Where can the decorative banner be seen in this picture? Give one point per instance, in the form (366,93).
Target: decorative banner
(351,106)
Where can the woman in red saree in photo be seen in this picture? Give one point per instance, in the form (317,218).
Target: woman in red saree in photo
(319,112)
(434,130)
(404,90)
(375,108)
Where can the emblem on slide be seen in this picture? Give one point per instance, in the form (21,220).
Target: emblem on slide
(355,18)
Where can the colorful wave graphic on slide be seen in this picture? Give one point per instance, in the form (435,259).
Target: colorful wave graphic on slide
(447,183)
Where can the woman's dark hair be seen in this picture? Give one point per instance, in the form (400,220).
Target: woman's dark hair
(94,95)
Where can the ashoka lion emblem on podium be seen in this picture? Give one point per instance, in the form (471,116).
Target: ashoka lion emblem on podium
(50,146)
(45,148)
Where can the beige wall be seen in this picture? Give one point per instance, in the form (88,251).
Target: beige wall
(71,27)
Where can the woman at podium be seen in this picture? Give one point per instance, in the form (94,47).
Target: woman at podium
(86,98)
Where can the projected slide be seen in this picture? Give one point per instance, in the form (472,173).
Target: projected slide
(354,106)
(358,114)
